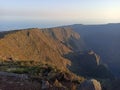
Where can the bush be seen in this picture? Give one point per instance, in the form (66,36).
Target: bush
(20,70)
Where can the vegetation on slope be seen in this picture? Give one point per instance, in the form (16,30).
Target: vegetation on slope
(39,72)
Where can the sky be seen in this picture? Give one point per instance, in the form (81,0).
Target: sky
(59,12)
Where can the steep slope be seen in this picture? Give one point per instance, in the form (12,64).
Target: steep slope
(103,39)
(67,37)
(44,45)
(88,64)
(84,63)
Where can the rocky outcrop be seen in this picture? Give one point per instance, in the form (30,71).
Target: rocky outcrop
(90,85)
(45,85)
(21,76)
(84,63)
(57,83)
(88,64)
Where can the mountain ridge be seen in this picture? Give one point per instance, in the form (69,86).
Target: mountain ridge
(45,45)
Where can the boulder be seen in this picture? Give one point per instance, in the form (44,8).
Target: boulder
(45,84)
(90,85)
(57,83)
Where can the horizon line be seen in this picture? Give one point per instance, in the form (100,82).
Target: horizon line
(58,26)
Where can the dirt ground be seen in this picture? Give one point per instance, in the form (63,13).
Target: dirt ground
(12,83)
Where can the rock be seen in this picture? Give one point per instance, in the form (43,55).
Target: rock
(45,84)
(57,83)
(8,74)
(63,76)
(90,85)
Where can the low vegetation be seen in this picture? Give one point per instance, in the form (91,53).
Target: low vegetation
(38,72)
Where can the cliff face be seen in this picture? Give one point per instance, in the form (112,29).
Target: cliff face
(103,39)
(84,63)
(88,64)
(67,37)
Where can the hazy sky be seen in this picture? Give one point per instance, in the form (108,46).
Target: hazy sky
(61,11)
